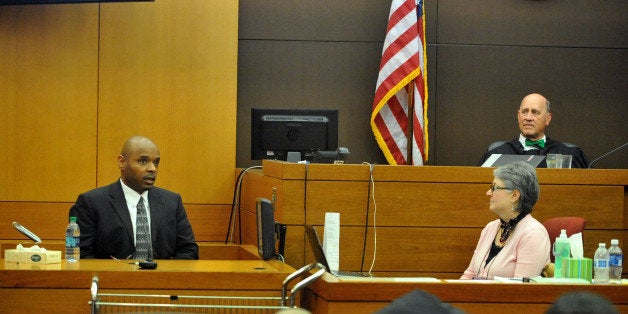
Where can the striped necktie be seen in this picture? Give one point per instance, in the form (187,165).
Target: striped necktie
(142,232)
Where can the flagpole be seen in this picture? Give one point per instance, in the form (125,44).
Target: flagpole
(410,129)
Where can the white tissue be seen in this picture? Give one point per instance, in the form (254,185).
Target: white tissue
(34,248)
(575,244)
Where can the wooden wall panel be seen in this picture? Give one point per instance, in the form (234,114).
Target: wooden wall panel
(48,90)
(209,222)
(77,80)
(348,198)
(421,204)
(405,249)
(428,219)
(168,71)
(600,205)
(49,220)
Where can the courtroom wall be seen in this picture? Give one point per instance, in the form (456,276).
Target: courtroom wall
(483,58)
(76,80)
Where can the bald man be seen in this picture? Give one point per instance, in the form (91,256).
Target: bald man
(534,116)
(108,216)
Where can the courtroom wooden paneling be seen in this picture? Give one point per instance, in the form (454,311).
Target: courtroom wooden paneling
(66,287)
(206,251)
(22,301)
(405,250)
(48,91)
(321,306)
(79,79)
(333,295)
(76,300)
(255,185)
(428,219)
(49,220)
(167,75)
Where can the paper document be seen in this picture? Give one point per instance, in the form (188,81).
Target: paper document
(331,240)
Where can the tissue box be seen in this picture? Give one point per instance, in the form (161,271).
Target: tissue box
(578,268)
(24,256)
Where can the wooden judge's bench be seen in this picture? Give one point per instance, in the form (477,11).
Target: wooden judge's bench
(428,219)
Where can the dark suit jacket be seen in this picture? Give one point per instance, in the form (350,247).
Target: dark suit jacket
(107,230)
(514,147)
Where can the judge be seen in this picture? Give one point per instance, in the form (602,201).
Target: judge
(534,116)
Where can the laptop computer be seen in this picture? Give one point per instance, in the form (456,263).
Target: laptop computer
(319,254)
(496,160)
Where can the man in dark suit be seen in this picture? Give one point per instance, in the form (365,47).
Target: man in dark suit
(533,116)
(108,216)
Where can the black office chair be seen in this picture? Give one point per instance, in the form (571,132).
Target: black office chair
(495,144)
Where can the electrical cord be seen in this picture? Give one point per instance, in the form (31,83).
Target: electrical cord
(305,203)
(280,258)
(235,204)
(371,196)
(366,225)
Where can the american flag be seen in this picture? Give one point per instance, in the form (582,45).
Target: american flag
(402,87)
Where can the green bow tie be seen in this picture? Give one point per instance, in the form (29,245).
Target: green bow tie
(540,143)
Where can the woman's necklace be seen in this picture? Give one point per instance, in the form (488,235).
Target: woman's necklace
(507,227)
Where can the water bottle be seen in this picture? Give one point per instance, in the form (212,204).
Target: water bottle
(72,241)
(560,250)
(615,261)
(600,265)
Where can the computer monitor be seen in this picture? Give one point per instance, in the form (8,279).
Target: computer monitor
(284,133)
(265,228)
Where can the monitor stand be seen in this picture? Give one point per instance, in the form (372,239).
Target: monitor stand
(293,157)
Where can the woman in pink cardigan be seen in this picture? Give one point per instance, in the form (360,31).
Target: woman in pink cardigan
(516,245)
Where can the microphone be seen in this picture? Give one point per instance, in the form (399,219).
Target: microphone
(611,152)
(148,263)
(26,232)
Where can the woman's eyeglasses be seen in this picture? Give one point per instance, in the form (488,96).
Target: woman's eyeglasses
(493,188)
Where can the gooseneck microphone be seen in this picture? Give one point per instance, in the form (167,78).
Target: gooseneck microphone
(609,153)
(26,232)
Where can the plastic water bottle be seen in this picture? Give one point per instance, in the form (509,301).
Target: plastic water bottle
(561,250)
(72,241)
(615,261)
(600,265)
